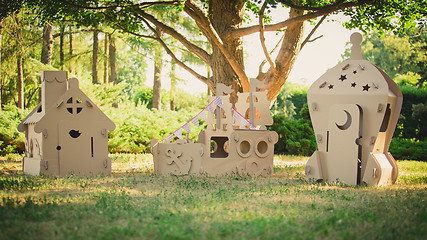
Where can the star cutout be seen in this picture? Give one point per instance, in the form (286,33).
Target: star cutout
(331,86)
(354,72)
(353,84)
(366,87)
(343,77)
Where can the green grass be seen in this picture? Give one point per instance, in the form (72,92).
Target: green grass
(133,203)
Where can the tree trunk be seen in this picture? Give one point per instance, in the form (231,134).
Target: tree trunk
(47,48)
(20,82)
(209,75)
(72,70)
(157,80)
(95,57)
(105,58)
(291,46)
(226,15)
(113,60)
(173,85)
(1,90)
(61,46)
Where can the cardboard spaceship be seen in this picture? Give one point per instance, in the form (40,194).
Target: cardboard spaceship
(230,144)
(354,108)
(66,133)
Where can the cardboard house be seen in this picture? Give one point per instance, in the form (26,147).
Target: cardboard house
(66,133)
(354,109)
(230,144)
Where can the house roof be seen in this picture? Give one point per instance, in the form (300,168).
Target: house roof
(33,117)
(66,108)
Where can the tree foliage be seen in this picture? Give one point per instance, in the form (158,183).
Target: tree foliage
(402,56)
(220,22)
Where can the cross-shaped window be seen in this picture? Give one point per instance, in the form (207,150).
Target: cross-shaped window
(74,105)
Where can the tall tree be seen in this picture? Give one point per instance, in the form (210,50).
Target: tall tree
(20,81)
(6,8)
(172,76)
(1,30)
(112,50)
(220,22)
(19,65)
(71,49)
(61,45)
(105,58)
(95,57)
(157,79)
(47,48)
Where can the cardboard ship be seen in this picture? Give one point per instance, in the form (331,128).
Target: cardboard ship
(354,109)
(230,144)
(66,133)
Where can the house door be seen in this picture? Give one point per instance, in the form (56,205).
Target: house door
(75,146)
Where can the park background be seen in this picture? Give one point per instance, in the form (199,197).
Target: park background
(116,70)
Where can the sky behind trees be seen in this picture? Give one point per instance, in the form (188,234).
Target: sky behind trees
(313,61)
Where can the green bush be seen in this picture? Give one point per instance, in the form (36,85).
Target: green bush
(412,122)
(136,126)
(10,139)
(296,137)
(290,100)
(408,149)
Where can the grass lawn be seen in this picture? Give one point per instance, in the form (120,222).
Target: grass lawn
(133,203)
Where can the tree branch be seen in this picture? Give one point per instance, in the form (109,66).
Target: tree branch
(203,22)
(79,31)
(262,38)
(181,64)
(271,52)
(292,4)
(201,53)
(172,55)
(235,33)
(200,19)
(30,97)
(143,4)
(307,39)
(126,30)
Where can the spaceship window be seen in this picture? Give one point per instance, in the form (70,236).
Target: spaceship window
(386,119)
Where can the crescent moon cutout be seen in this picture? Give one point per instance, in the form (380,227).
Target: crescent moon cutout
(347,124)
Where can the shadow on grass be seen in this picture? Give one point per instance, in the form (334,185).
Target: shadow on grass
(208,210)
(137,204)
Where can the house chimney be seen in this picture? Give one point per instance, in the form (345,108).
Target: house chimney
(54,84)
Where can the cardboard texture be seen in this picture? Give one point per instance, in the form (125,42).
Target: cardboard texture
(66,133)
(354,108)
(227,146)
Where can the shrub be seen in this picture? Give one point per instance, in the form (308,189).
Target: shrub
(290,100)
(296,137)
(136,126)
(10,139)
(412,125)
(408,149)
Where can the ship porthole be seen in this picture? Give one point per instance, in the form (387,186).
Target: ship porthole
(244,148)
(261,148)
